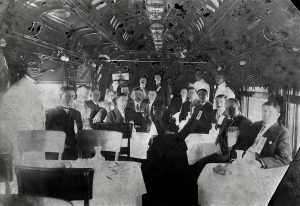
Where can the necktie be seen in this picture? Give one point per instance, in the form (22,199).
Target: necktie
(137,108)
(262,130)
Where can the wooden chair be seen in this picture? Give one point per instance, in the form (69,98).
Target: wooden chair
(109,140)
(64,183)
(41,141)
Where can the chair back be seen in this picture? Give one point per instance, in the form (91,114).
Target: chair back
(41,141)
(64,183)
(6,171)
(108,140)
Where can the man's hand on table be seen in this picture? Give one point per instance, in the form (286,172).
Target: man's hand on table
(218,149)
(255,163)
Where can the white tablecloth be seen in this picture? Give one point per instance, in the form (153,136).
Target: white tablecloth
(246,185)
(199,146)
(115,184)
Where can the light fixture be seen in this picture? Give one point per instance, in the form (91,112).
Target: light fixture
(62,56)
(155,9)
(243,62)
(3,42)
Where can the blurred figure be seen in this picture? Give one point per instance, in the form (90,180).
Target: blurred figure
(80,105)
(97,113)
(162,91)
(221,87)
(143,85)
(21,107)
(201,118)
(108,103)
(115,87)
(65,118)
(200,83)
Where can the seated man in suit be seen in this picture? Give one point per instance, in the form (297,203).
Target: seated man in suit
(135,109)
(269,141)
(97,113)
(235,121)
(117,115)
(200,121)
(64,118)
(176,107)
(219,114)
(154,112)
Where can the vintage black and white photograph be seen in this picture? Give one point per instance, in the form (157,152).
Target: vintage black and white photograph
(149,102)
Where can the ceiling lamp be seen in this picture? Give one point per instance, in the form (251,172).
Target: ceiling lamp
(155,9)
(63,57)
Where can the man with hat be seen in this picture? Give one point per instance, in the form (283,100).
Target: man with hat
(21,107)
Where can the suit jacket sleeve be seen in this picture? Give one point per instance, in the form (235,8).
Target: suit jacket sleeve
(282,154)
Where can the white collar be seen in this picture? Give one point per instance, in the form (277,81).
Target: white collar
(267,126)
(135,103)
(30,79)
(96,103)
(183,99)
(222,85)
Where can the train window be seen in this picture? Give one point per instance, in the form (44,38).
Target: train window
(49,90)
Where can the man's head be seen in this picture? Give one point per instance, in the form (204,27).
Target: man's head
(270,112)
(232,107)
(121,101)
(96,94)
(219,78)
(152,95)
(115,85)
(137,94)
(82,93)
(220,101)
(157,78)
(183,93)
(109,95)
(67,96)
(143,81)
(199,75)
(33,68)
(192,94)
(203,95)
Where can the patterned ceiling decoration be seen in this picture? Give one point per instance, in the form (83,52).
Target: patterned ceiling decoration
(250,38)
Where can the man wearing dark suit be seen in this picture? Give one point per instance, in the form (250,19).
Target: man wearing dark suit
(200,121)
(175,108)
(235,121)
(64,118)
(117,115)
(154,112)
(97,113)
(219,114)
(269,140)
(162,91)
(135,108)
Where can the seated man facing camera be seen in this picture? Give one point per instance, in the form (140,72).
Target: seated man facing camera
(269,141)
(236,123)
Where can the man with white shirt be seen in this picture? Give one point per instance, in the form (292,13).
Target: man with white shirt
(21,107)
(269,141)
(142,86)
(222,88)
(219,114)
(82,94)
(200,83)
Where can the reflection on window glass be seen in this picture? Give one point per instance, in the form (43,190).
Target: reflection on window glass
(254,113)
(49,94)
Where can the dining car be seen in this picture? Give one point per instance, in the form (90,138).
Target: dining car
(149,102)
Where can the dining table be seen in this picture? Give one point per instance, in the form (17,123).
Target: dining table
(243,185)
(25,200)
(115,182)
(199,146)
(139,144)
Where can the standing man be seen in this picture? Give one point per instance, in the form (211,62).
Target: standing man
(142,86)
(97,113)
(162,91)
(80,105)
(221,87)
(21,108)
(65,118)
(200,83)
